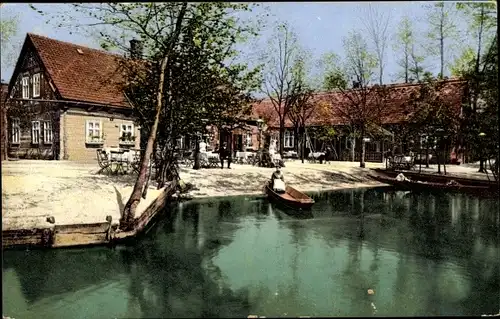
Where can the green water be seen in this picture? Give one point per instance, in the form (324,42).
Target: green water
(421,254)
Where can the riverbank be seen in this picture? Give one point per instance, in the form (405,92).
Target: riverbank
(250,180)
(75,195)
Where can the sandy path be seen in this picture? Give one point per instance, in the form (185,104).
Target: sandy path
(73,192)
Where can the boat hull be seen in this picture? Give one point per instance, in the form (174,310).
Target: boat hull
(421,186)
(289,201)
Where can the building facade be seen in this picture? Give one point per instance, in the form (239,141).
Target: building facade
(64,102)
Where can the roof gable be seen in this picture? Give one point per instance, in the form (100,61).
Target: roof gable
(80,73)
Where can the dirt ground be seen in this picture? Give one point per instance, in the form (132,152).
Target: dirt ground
(74,193)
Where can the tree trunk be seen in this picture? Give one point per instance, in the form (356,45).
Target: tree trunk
(128,214)
(296,138)
(197,153)
(353,148)
(230,149)
(445,157)
(441,41)
(438,160)
(406,67)
(481,164)
(363,149)
(303,145)
(129,210)
(282,135)
(427,155)
(5,133)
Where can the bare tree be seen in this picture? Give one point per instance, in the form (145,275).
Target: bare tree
(376,24)
(279,73)
(362,106)
(442,28)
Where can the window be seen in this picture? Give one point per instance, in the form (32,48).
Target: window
(36,85)
(94,131)
(47,132)
(25,87)
(180,143)
(35,132)
(127,133)
(16,130)
(249,139)
(289,139)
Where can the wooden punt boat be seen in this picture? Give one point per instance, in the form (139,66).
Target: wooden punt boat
(420,186)
(291,198)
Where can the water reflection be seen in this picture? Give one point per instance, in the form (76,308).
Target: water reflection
(423,254)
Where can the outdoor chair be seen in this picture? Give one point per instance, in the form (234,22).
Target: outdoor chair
(103,161)
(213,162)
(402,162)
(188,159)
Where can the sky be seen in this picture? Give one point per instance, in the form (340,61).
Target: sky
(320,27)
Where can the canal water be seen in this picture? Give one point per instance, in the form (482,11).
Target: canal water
(360,253)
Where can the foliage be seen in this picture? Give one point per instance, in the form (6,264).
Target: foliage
(9,27)
(463,63)
(183,83)
(411,60)
(434,118)
(333,74)
(481,111)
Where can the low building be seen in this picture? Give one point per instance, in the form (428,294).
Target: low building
(396,107)
(66,101)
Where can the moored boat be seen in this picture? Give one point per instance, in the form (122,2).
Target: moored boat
(291,198)
(416,184)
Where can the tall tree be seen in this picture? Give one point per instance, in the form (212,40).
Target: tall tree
(442,32)
(481,18)
(403,44)
(278,79)
(410,59)
(302,106)
(361,106)
(8,30)
(332,74)
(436,118)
(184,45)
(377,24)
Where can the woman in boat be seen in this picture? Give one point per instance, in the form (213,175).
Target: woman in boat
(277,180)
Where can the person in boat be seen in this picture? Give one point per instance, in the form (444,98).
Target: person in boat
(401,178)
(278,180)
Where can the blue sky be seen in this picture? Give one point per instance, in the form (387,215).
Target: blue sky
(320,26)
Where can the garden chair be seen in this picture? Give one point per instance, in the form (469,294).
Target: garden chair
(103,161)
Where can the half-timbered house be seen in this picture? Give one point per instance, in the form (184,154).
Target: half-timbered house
(66,101)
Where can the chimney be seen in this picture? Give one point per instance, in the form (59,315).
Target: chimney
(135,49)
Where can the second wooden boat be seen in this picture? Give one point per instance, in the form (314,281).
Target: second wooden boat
(417,185)
(291,198)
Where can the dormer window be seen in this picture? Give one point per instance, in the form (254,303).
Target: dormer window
(25,87)
(36,85)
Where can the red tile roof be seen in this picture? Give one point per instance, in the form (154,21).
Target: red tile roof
(397,108)
(90,76)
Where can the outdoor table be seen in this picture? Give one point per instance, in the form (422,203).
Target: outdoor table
(243,156)
(209,159)
(313,156)
(118,157)
(291,154)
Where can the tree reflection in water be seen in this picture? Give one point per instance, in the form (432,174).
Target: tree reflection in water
(423,254)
